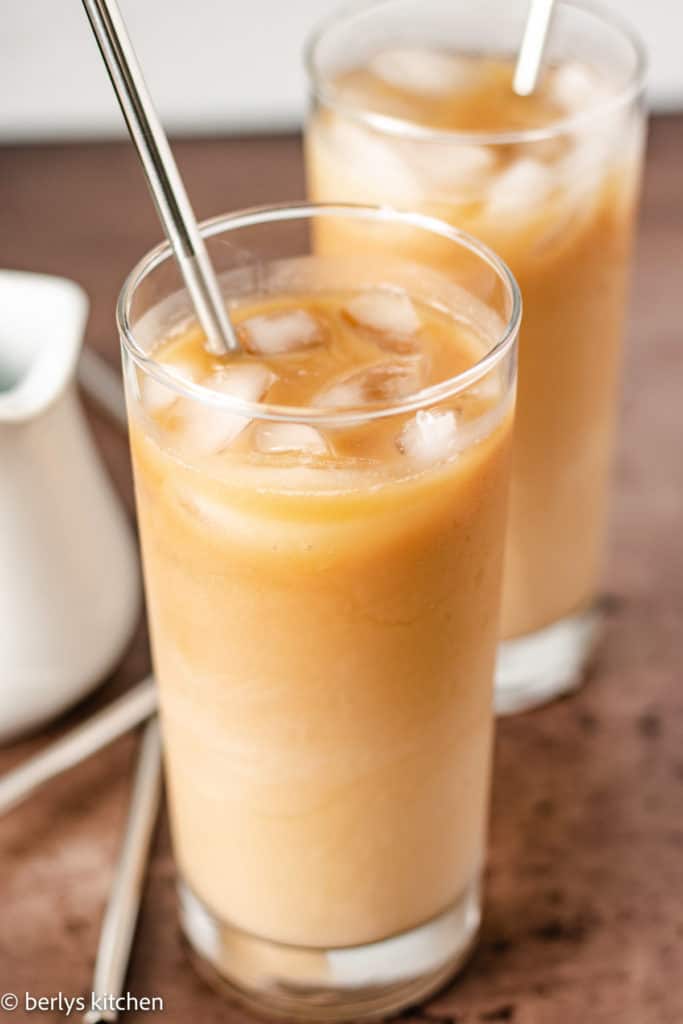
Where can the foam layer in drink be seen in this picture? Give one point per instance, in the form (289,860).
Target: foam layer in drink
(323,604)
(559,207)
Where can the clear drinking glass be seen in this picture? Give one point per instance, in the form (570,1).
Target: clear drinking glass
(551,184)
(325,691)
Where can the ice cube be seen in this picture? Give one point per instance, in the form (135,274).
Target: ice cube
(430,436)
(426,72)
(276,333)
(383,382)
(374,165)
(451,166)
(289,437)
(581,176)
(575,87)
(389,313)
(489,387)
(157,396)
(519,189)
(208,429)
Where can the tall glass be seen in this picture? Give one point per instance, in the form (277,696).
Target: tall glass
(325,691)
(556,197)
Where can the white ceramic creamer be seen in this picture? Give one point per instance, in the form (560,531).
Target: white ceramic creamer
(69,578)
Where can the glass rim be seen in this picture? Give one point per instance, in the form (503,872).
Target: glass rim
(326,94)
(325,416)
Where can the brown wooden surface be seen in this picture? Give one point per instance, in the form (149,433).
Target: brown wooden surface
(584,911)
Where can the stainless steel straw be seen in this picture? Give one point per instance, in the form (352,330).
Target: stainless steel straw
(162,173)
(531,51)
(104,727)
(120,917)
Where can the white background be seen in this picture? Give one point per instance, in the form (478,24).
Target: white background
(212,65)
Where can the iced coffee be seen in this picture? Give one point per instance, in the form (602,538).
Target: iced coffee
(305,508)
(414,107)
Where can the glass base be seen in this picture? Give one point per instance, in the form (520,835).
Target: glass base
(351,983)
(539,667)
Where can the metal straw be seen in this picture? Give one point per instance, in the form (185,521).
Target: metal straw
(120,917)
(103,728)
(533,45)
(163,177)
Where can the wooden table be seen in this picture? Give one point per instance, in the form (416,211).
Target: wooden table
(584,918)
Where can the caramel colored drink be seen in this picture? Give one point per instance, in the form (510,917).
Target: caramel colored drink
(550,181)
(325,690)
